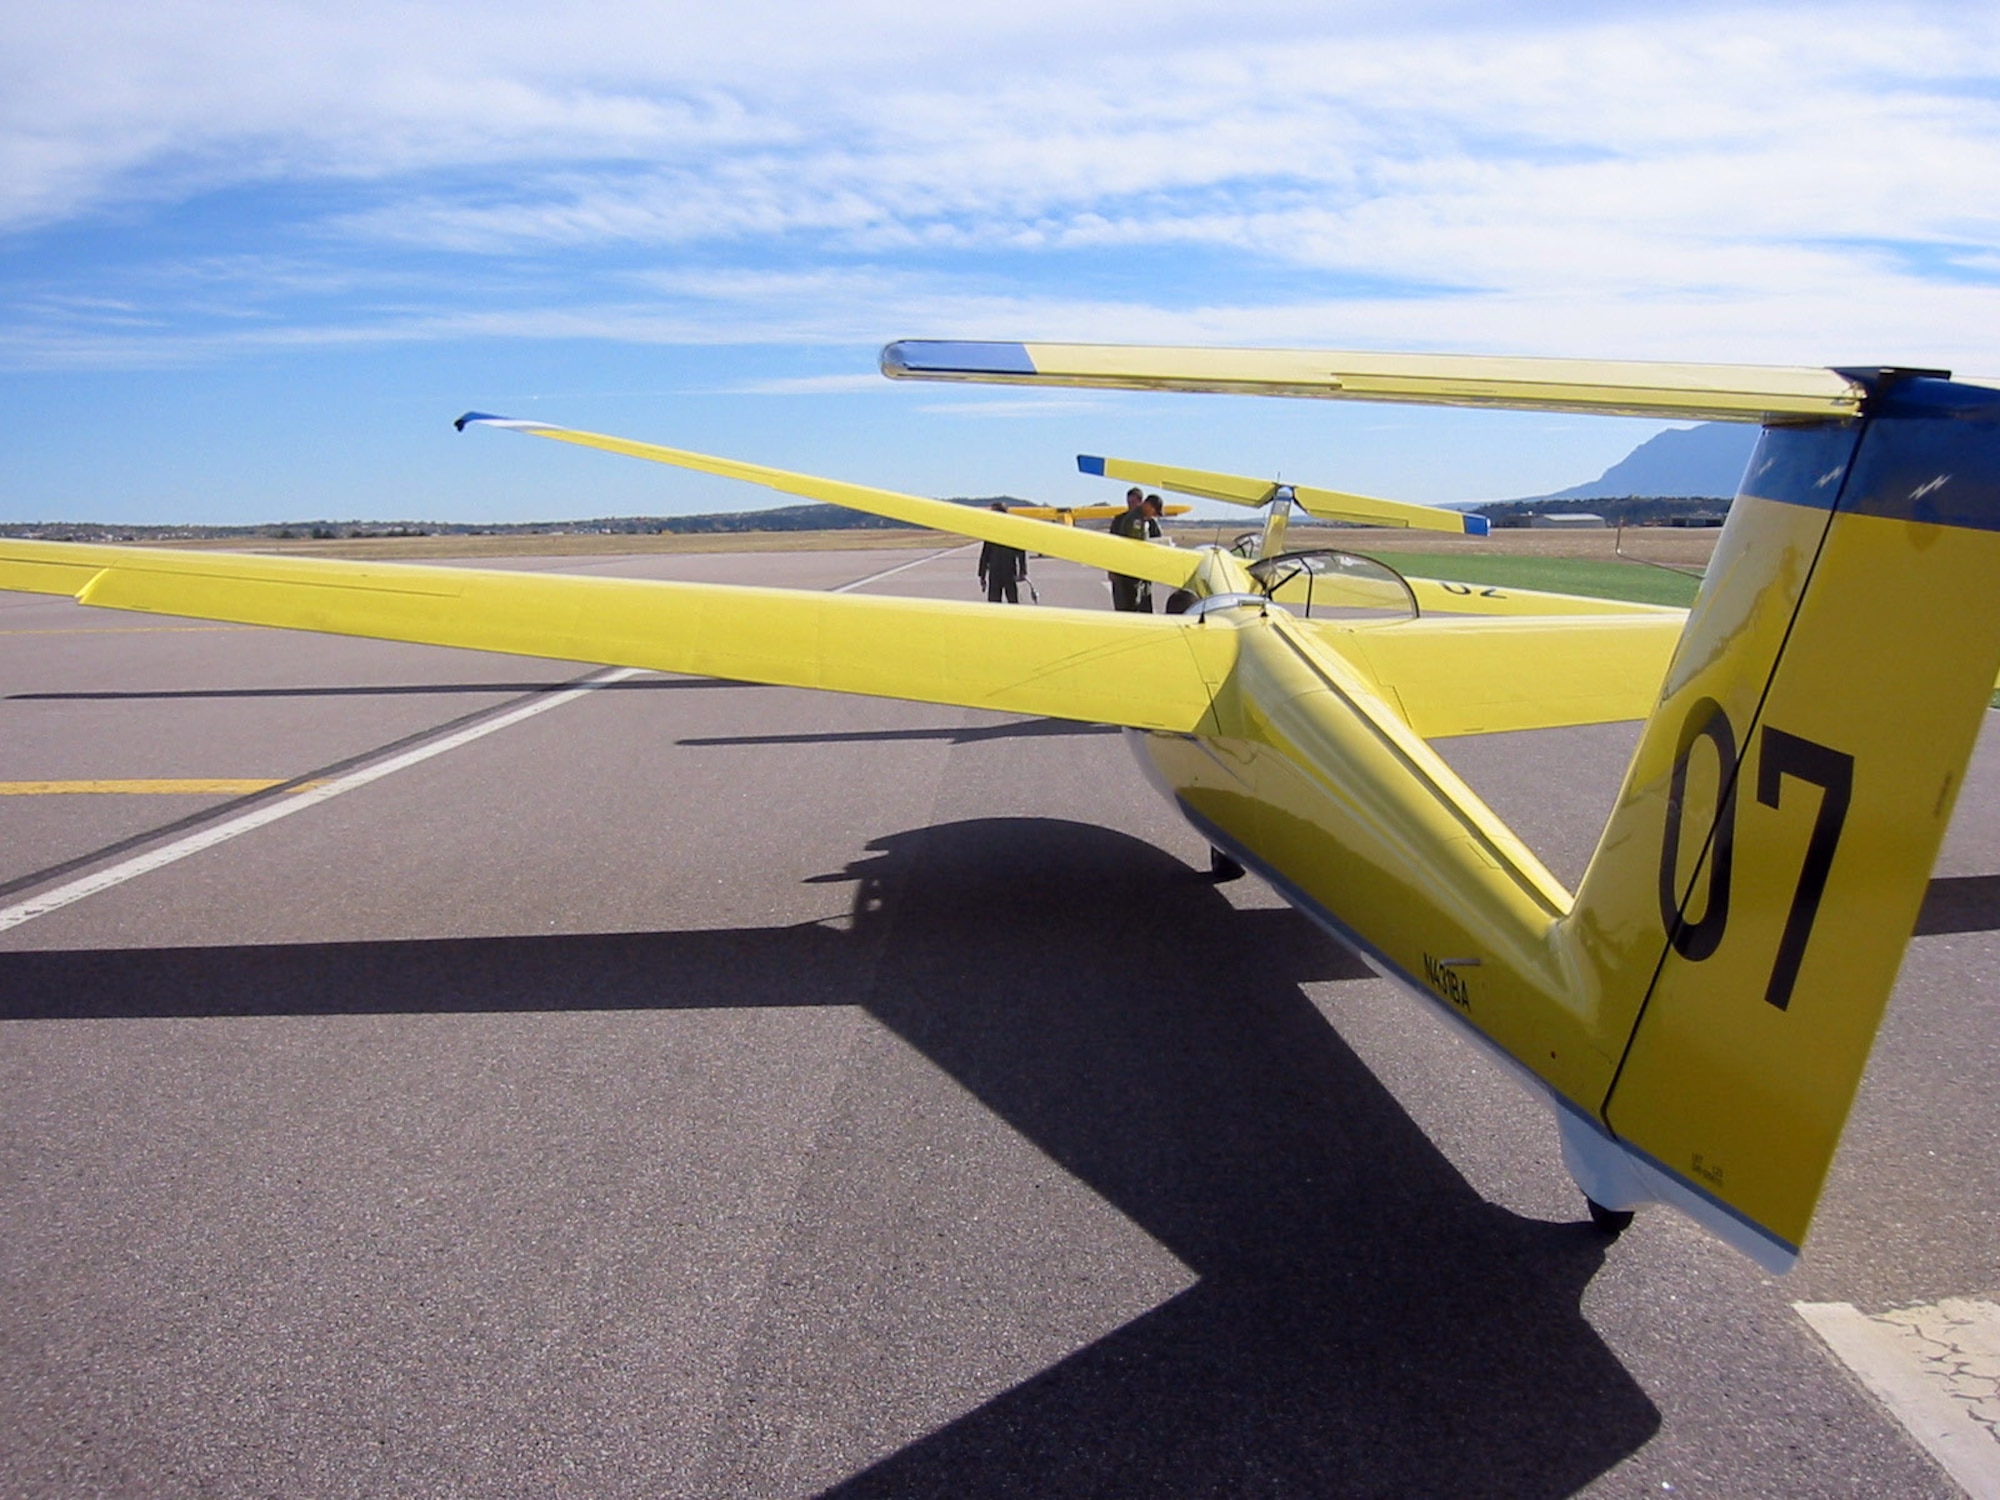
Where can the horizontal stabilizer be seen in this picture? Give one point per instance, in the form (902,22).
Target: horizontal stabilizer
(1716,393)
(1328,505)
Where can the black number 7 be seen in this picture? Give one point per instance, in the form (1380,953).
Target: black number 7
(1833,772)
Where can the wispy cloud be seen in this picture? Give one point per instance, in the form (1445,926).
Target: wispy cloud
(810,385)
(1028,406)
(1775,181)
(1844,314)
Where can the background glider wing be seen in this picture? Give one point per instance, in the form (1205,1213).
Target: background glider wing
(1098,667)
(1083,512)
(1093,549)
(1716,393)
(1328,505)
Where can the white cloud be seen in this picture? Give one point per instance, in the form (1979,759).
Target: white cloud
(810,385)
(1862,320)
(1750,182)
(1029,406)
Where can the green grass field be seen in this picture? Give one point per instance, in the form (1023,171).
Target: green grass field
(1556,575)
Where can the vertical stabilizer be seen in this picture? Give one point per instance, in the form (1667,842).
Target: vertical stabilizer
(1276,517)
(1745,914)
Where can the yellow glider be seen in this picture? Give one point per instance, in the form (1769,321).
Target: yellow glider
(1433,595)
(1327,505)
(1700,1009)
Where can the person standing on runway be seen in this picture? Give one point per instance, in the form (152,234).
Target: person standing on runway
(1126,592)
(1002,569)
(1152,508)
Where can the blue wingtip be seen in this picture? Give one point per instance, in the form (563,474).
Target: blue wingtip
(944,357)
(1478,526)
(1087,464)
(476,416)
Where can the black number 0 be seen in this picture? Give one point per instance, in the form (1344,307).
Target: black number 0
(1697,940)
(1779,755)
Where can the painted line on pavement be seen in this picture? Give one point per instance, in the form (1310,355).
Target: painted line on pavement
(846,588)
(1937,1369)
(129,629)
(186,787)
(270,812)
(312,794)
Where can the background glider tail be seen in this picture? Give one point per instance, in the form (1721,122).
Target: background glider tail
(1745,914)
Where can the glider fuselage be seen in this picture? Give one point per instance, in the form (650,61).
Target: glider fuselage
(1310,776)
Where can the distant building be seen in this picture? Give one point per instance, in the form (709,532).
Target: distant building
(1576,520)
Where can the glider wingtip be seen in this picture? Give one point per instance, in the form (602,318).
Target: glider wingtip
(920,357)
(1089,464)
(1478,526)
(476,416)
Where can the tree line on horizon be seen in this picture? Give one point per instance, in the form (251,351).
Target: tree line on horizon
(1631,510)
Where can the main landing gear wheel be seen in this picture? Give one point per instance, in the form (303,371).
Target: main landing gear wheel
(1609,1222)
(1222,867)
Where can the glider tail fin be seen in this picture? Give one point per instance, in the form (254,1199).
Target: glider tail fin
(1746,911)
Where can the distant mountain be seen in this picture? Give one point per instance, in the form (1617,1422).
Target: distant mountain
(1707,461)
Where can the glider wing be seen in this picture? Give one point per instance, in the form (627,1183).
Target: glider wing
(1093,549)
(1485,676)
(1443,596)
(1098,667)
(1082,512)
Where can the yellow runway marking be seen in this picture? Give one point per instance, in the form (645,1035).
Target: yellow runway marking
(220,787)
(128,629)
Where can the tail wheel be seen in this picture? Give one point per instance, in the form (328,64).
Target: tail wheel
(1609,1222)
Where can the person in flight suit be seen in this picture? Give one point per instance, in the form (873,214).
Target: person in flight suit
(1001,569)
(1131,593)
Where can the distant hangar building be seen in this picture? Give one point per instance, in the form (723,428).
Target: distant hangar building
(1575,520)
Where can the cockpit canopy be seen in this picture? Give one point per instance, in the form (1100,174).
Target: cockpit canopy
(1330,585)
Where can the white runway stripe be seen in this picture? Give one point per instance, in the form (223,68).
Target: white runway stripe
(208,838)
(899,568)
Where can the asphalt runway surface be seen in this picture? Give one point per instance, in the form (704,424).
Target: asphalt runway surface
(707,1090)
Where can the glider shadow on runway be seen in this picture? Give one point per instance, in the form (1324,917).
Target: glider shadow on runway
(1960,903)
(649,684)
(1361,1322)
(960,734)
